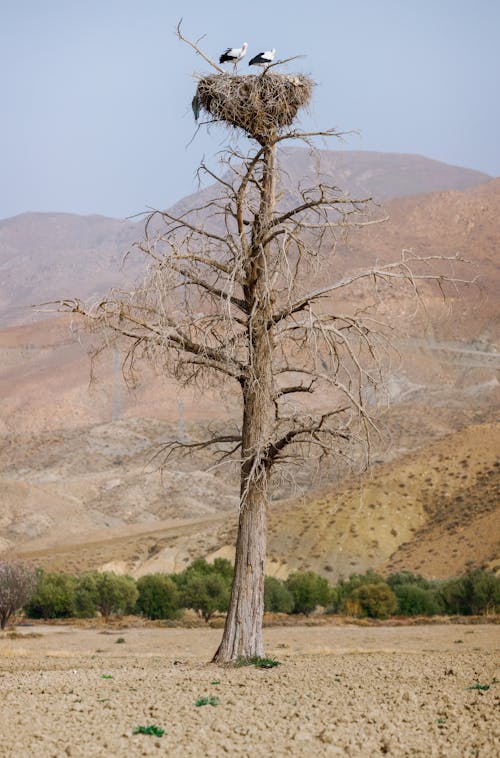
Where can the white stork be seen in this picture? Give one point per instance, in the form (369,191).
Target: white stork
(234,55)
(263,59)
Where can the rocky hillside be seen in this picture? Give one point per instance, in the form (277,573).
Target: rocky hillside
(434,511)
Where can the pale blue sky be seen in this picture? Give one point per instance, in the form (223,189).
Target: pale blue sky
(96,93)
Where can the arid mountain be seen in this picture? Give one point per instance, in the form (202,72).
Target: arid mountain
(79,485)
(47,256)
(449,349)
(434,511)
(379,175)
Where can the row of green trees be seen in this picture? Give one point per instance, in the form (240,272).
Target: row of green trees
(407,594)
(205,588)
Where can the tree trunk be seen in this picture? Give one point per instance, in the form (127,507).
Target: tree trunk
(243,629)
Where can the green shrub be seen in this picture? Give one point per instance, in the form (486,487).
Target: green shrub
(476,592)
(483,589)
(375,600)
(341,595)
(414,600)
(206,593)
(86,595)
(308,590)
(54,596)
(205,587)
(114,593)
(158,597)
(277,596)
(223,567)
(220,566)
(400,578)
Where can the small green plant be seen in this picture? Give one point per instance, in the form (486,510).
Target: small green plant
(215,682)
(261,663)
(106,676)
(120,640)
(206,701)
(152,729)
(481,687)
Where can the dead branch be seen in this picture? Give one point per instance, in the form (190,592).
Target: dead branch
(197,49)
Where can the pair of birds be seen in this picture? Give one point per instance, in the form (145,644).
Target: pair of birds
(235,54)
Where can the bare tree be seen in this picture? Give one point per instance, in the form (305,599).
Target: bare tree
(236,292)
(17,584)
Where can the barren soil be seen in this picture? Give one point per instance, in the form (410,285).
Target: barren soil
(341,690)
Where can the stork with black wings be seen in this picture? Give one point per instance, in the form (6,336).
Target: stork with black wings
(234,55)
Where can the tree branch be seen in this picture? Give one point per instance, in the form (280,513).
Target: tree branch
(276,447)
(197,49)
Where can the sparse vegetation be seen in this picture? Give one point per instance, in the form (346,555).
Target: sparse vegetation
(153,730)
(480,687)
(207,701)
(258,662)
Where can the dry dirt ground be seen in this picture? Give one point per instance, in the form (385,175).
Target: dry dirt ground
(340,690)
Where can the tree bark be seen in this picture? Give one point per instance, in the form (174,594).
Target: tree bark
(243,629)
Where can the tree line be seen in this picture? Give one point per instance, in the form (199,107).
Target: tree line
(205,588)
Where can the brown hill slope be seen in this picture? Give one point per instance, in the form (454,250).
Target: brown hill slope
(60,453)
(436,511)
(46,256)
(445,495)
(380,175)
(449,349)
(445,223)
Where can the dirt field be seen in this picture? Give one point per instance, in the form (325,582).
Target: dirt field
(340,690)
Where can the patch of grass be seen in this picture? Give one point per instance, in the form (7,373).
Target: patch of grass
(153,730)
(120,640)
(481,687)
(261,663)
(215,682)
(106,676)
(206,701)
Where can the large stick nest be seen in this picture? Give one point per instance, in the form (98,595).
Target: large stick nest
(260,105)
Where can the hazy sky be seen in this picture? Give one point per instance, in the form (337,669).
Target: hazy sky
(96,94)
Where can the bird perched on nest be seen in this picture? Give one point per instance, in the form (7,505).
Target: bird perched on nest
(234,55)
(263,59)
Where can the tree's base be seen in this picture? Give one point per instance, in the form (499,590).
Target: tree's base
(230,653)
